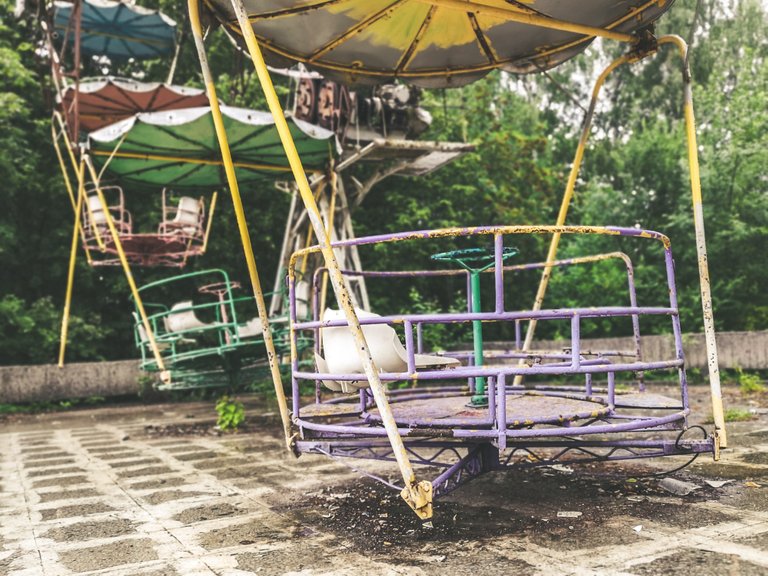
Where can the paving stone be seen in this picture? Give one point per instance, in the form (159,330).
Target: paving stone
(109,555)
(75,510)
(37,449)
(149,471)
(158,483)
(46,456)
(171,495)
(130,463)
(59,481)
(49,463)
(119,455)
(700,563)
(254,532)
(54,471)
(69,495)
(222,463)
(108,450)
(90,530)
(194,456)
(207,512)
(174,449)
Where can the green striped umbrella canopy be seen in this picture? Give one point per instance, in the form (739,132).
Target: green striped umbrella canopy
(179,149)
(117,30)
(434,43)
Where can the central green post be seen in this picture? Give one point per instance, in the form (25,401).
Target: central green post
(476,261)
(479,398)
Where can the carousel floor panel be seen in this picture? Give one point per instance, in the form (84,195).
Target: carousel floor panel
(521,410)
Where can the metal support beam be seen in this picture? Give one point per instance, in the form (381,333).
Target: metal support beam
(418,495)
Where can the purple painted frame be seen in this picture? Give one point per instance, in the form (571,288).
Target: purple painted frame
(466,446)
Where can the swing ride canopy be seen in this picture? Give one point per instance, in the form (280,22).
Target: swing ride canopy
(179,149)
(434,43)
(104,101)
(117,30)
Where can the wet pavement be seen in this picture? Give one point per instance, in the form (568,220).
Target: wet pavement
(152,490)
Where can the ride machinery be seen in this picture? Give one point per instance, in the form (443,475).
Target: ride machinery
(470,412)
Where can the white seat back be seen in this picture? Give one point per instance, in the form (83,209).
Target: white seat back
(96,212)
(250,329)
(143,338)
(188,214)
(302,293)
(340,352)
(180,320)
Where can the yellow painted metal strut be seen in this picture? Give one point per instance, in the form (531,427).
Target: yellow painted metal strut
(72,259)
(565,204)
(418,495)
(701,244)
(698,220)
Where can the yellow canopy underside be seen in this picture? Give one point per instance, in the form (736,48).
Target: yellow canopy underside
(434,42)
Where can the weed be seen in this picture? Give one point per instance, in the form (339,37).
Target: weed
(736,415)
(231,413)
(749,383)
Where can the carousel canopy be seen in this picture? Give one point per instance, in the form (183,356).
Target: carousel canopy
(434,42)
(179,149)
(104,101)
(117,30)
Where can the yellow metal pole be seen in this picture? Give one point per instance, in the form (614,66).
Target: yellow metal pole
(566,203)
(72,259)
(229,168)
(63,166)
(418,495)
(208,225)
(701,244)
(67,141)
(68,184)
(165,375)
(331,212)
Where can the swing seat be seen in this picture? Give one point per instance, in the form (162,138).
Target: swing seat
(188,219)
(182,318)
(251,329)
(387,351)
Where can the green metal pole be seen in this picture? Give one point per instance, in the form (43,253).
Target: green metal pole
(479,398)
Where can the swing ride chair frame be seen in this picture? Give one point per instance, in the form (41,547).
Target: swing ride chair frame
(419,494)
(191,362)
(171,246)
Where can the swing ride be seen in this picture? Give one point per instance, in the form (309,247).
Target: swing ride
(119,133)
(474,414)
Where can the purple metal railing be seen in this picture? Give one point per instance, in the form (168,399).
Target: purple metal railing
(584,414)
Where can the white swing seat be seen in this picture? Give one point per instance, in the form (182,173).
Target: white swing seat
(182,319)
(251,329)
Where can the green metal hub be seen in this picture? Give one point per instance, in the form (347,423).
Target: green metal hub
(476,261)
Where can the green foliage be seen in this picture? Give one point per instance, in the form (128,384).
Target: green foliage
(738,415)
(231,413)
(525,129)
(749,383)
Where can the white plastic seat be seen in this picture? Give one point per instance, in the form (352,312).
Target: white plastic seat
(388,353)
(188,217)
(250,329)
(96,212)
(181,320)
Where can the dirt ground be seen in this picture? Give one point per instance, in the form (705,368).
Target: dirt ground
(154,490)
